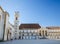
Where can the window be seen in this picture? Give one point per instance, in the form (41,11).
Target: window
(16,18)
(46,33)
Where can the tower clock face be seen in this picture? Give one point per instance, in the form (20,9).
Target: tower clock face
(16,14)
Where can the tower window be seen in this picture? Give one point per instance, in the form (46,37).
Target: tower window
(16,18)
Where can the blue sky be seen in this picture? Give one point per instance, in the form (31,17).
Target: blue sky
(44,12)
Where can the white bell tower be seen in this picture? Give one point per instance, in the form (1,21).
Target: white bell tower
(16,25)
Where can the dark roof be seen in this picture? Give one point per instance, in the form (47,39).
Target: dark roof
(34,26)
(52,27)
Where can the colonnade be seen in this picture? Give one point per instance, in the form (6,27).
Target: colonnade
(42,33)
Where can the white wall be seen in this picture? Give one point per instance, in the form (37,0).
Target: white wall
(12,31)
(1,24)
(6,26)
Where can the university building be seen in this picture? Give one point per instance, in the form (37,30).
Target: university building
(14,31)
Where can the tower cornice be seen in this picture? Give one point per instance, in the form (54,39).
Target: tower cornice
(1,9)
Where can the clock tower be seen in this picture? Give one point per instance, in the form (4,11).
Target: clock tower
(16,25)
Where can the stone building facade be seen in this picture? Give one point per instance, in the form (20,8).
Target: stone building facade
(10,31)
(53,32)
(29,31)
(7,30)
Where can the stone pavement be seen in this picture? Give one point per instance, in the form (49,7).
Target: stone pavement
(42,41)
